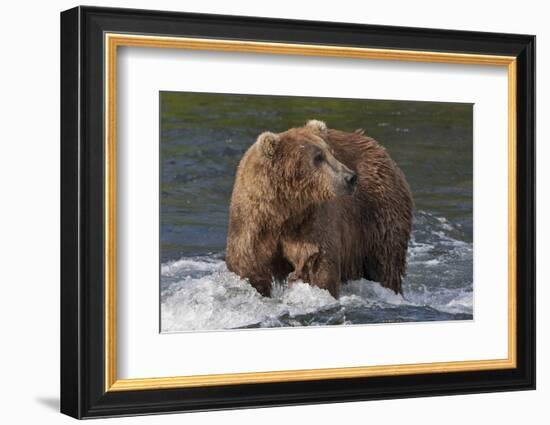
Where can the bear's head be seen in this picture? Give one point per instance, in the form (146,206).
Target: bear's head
(301,165)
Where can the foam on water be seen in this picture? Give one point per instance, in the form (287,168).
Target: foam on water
(199,293)
(221,300)
(187,265)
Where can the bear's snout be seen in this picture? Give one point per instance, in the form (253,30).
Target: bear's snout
(351,179)
(350,182)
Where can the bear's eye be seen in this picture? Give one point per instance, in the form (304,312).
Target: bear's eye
(319,158)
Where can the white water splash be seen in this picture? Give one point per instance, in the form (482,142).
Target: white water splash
(185,265)
(199,293)
(222,300)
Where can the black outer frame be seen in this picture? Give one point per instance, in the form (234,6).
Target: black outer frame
(82,206)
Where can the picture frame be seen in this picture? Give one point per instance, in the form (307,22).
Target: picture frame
(90,40)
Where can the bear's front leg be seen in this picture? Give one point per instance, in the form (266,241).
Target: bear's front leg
(325,273)
(263,286)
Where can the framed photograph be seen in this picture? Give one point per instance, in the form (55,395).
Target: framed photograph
(261,212)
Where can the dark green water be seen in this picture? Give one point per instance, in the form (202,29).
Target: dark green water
(203,137)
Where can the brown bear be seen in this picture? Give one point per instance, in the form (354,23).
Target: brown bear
(318,205)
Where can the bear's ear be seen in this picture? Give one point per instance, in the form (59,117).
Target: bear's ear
(318,126)
(267,142)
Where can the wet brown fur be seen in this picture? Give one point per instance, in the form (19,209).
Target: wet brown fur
(289,219)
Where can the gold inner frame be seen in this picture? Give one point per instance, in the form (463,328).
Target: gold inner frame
(113,41)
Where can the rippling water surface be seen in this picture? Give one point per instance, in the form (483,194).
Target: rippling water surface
(203,137)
